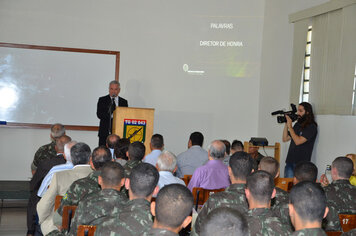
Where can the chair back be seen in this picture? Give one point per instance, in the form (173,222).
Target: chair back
(201,195)
(347,222)
(187,179)
(57,202)
(86,230)
(333,233)
(68,214)
(284,183)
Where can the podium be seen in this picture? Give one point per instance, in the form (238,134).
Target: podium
(134,123)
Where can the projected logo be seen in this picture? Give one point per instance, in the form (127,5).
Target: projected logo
(135,130)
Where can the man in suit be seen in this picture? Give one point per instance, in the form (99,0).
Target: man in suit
(60,183)
(105,108)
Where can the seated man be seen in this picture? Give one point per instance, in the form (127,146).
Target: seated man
(227,151)
(305,171)
(81,188)
(214,174)
(111,142)
(135,217)
(240,166)
(156,146)
(166,166)
(80,154)
(172,210)
(236,146)
(194,157)
(120,151)
(105,203)
(307,208)
(271,165)
(223,222)
(340,194)
(135,154)
(255,154)
(260,218)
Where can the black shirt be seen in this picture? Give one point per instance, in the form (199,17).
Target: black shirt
(303,151)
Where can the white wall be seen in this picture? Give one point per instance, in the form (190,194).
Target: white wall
(219,107)
(336,133)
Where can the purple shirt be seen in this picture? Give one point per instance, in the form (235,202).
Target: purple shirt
(213,175)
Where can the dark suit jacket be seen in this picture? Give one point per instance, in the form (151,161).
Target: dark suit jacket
(103,114)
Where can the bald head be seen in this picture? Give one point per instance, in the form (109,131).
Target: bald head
(60,142)
(217,150)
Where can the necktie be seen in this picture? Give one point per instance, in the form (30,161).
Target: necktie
(113,102)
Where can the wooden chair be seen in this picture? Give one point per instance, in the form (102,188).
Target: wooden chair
(86,230)
(333,233)
(284,183)
(68,214)
(202,195)
(57,202)
(347,222)
(187,179)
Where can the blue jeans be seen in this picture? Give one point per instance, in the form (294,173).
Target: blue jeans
(289,170)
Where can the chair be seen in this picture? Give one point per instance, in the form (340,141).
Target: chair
(201,195)
(284,183)
(86,230)
(347,222)
(187,179)
(57,202)
(68,214)
(333,233)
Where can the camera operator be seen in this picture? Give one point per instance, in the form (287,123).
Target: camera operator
(302,136)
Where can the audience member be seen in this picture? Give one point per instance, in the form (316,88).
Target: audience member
(260,218)
(120,151)
(224,222)
(340,194)
(236,146)
(172,210)
(135,153)
(67,166)
(227,151)
(240,166)
(156,146)
(135,218)
(80,154)
(81,188)
(305,171)
(194,157)
(105,203)
(112,142)
(42,169)
(167,165)
(352,156)
(48,151)
(253,151)
(214,174)
(307,208)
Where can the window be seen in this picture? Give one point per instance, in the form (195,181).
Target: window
(306,72)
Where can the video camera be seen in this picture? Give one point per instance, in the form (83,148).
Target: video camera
(292,114)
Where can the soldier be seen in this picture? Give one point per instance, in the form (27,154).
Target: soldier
(135,216)
(305,171)
(271,165)
(85,186)
(224,221)
(340,194)
(172,210)
(307,208)
(48,151)
(260,218)
(240,166)
(104,203)
(136,153)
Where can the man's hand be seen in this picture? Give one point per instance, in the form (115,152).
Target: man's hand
(324,180)
(289,121)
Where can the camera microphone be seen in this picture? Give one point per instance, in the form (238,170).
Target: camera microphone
(277,112)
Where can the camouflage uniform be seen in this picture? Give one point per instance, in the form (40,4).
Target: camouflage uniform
(341,198)
(134,219)
(282,197)
(106,202)
(262,221)
(309,232)
(156,231)
(77,192)
(130,164)
(44,153)
(232,197)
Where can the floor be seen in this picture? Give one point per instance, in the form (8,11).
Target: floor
(13,218)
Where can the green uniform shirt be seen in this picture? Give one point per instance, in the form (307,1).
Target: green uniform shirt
(309,232)
(44,153)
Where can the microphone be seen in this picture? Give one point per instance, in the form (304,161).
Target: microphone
(277,112)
